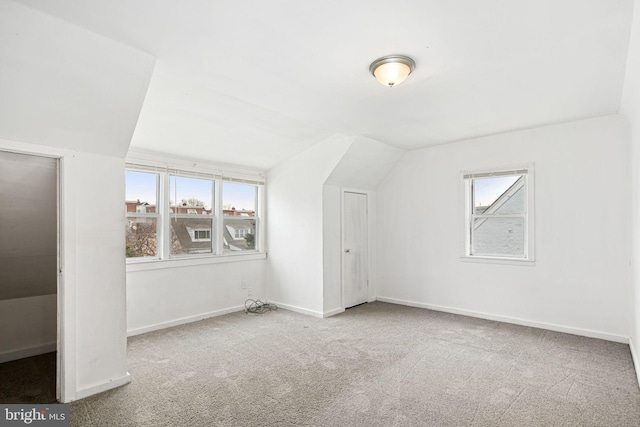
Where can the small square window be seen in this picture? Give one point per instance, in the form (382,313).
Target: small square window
(498,219)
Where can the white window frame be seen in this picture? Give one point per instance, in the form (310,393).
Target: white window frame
(155,215)
(163,214)
(528,171)
(167,226)
(196,231)
(257,218)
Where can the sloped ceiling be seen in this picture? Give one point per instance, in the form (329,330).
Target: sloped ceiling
(186,119)
(64,86)
(364,165)
(482,67)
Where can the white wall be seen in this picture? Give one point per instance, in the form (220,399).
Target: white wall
(28,236)
(630,109)
(332,249)
(579,281)
(27,326)
(159,298)
(295,225)
(101,332)
(304,198)
(67,90)
(92,283)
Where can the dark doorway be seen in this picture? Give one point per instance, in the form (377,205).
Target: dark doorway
(28,278)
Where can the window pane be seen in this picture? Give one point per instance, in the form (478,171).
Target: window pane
(141,235)
(193,195)
(191,235)
(238,199)
(239,210)
(499,195)
(239,234)
(498,236)
(140,192)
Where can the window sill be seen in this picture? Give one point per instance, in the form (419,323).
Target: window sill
(497,260)
(157,264)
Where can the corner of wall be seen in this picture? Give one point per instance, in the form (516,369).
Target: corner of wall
(295,209)
(630,109)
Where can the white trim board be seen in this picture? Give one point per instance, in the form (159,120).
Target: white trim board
(333,312)
(183,320)
(66,278)
(299,309)
(28,352)
(634,357)
(114,383)
(513,320)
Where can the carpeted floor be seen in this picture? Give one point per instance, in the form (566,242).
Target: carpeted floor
(29,380)
(375,365)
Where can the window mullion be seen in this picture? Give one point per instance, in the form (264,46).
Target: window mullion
(165,217)
(509,215)
(260,209)
(141,215)
(526,218)
(217,221)
(214,215)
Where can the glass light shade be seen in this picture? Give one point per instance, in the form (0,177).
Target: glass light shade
(392,70)
(392,73)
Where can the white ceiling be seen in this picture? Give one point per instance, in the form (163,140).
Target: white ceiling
(253,82)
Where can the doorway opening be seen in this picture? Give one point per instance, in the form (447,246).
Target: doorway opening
(29,248)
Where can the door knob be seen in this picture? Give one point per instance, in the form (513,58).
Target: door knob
(347,250)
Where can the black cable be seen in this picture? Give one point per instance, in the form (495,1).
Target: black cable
(258,307)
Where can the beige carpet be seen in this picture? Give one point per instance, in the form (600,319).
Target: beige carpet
(375,365)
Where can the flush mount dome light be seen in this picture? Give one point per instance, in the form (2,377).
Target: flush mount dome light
(392,70)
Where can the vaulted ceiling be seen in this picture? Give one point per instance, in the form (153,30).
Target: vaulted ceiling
(253,82)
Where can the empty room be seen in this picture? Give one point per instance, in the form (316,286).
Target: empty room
(320,213)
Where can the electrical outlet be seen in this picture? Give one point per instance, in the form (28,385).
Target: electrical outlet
(249,290)
(243,284)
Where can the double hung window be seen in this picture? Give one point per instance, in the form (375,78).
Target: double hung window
(498,214)
(191,215)
(142,214)
(239,222)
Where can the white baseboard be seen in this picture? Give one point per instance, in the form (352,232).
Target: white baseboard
(298,309)
(183,320)
(114,383)
(333,312)
(27,352)
(513,320)
(634,357)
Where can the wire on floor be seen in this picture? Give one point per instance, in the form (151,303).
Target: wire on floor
(258,307)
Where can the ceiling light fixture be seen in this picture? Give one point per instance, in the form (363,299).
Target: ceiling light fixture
(392,70)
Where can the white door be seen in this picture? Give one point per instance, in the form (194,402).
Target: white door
(355,250)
